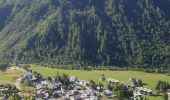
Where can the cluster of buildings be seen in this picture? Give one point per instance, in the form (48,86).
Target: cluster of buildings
(5,90)
(81,90)
(143,90)
(76,90)
(137,91)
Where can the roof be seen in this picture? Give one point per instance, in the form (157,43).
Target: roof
(108,92)
(76,97)
(137,94)
(168,90)
(27,73)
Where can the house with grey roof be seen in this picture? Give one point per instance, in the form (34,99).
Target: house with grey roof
(27,75)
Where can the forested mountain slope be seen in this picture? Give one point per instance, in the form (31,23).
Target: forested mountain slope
(93,32)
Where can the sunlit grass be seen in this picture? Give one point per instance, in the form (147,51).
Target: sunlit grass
(9,77)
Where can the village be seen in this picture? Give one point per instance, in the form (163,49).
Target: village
(70,88)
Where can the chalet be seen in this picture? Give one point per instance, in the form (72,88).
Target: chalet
(112,81)
(168,92)
(3,91)
(49,85)
(56,86)
(129,85)
(27,75)
(84,82)
(42,85)
(107,92)
(76,97)
(58,94)
(72,79)
(143,90)
(137,95)
(93,98)
(46,96)
(102,77)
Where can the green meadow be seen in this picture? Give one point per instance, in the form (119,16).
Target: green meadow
(150,80)
(9,77)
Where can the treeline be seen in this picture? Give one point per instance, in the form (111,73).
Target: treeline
(90,68)
(122,33)
(163,87)
(3,66)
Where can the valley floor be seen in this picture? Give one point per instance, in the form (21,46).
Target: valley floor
(150,80)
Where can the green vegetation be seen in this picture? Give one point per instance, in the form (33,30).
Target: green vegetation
(3,66)
(162,86)
(28,89)
(9,77)
(86,32)
(123,92)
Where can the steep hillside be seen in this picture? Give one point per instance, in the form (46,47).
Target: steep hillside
(93,32)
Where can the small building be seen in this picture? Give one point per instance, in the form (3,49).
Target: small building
(3,91)
(72,79)
(168,92)
(27,75)
(84,82)
(143,90)
(107,92)
(102,77)
(137,94)
(129,85)
(76,97)
(112,81)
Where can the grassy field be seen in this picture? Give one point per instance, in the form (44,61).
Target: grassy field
(9,77)
(149,79)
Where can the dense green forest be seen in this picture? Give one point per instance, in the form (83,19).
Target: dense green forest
(120,33)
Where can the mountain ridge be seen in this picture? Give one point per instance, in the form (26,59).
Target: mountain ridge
(88,32)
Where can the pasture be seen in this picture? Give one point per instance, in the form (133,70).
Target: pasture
(9,77)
